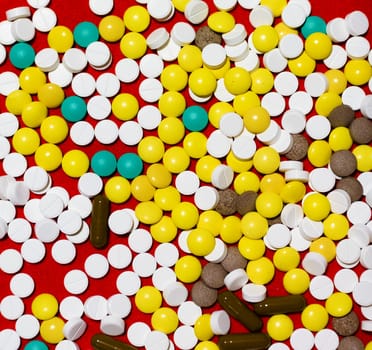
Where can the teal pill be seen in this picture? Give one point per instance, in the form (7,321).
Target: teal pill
(195,118)
(130,165)
(103,163)
(313,24)
(36,345)
(85,33)
(22,55)
(74,108)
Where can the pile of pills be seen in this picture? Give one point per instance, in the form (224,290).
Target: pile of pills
(175,173)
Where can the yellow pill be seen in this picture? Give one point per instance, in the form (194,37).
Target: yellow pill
(324,246)
(111,28)
(238,165)
(207,345)
(158,175)
(167,198)
(296,281)
(200,242)
(190,58)
(148,299)
(195,144)
(125,106)
(75,163)
(136,18)
(280,327)
(276,6)
(221,21)
(176,159)
(265,38)
(318,46)
(202,82)
(339,304)
(272,183)
(363,155)
(266,160)
(172,104)
(302,65)
(253,225)
(335,226)
(52,95)
(358,72)
(54,129)
(117,189)
(44,306)
(340,139)
(52,330)
(327,102)
(17,100)
(133,45)
(171,130)
(251,249)
(142,189)
(246,181)
(148,212)
(202,327)
(174,78)
(316,206)
(244,102)
(293,192)
(260,271)
(210,220)
(60,38)
(151,149)
(319,153)
(48,156)
(33,114)
(237,80)
(185,215)
(282,30)
(164,231)
(164,320)
(205,166)
(314,317)
(26,141)
(286,259)
(269,204)
(217,110)
(32,79)
(262,81)
(337,82)
(230,231)
(188,269)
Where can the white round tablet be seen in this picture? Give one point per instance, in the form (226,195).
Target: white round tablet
(83,84)
(188,312)
(63,251)
(120,222)
(162,277)
(22,285)
(293,15)
(254,293)
(82,133)
(76,281)
(119,256)
(19,230)
(236,279)
(8,81)
(95,307)
(112,325)
(96,266)
(218,253)
(11,307)
(90,184)
(292,215)
(166,254)
(291,46)
(144,264)
(119,305)
(27,326)
(184,337)
(302,339)
(261,15)
(345,280)
(137,333)
(274,103)
(14,164)
(318,127)
(9,339)
(71,307)
(33,251)
(81,236)
(149,117)
(175,294)
(357,22)
(99,107)
(321,287)
(106,131)
(128,283)
(130,132)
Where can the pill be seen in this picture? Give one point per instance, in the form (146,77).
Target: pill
(255,341)
(280,305)
(105,342)
(237,309)
(99,223)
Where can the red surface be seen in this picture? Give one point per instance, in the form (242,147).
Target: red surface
(48,275)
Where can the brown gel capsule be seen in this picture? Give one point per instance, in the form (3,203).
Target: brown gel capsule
(280,305)
(105,342)
(244,341)
(99,223)
(238,310)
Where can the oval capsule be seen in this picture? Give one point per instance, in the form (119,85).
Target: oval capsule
(237,309)
(104,342)
(239,341)
(280,305)
(99,223)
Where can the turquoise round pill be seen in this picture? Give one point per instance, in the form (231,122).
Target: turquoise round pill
(74,108)
(313,24)
(103,163)
(22,55)
(85,33)
(130,165)
(195,118)
(36,345)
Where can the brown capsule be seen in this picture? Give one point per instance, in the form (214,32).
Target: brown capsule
(244,341)
(99,222)
(105,342)
(238,310)
(280,305)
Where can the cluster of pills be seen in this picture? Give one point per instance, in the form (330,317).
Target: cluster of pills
(200,161)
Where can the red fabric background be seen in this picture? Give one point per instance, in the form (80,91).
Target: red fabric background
(48,275)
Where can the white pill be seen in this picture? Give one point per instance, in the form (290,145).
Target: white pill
(278,236)
(74,60)
(140,240)
(9,339)
(159,10)
(119,256)
(184,338)
(27,326)
(235,36)
(286,83)
(112,325)
(23,29)
(218,145)
(14,164)
(69,222)
(293,15)
(83,84)
(99,107)
(291,215)
(261,15)
(17,12)
(100,7)
(293,121)
(82,133)
(107,84)
(301,101)
(36,4)
(206,197)
(81,204)
(76,281)
(60,76)
(151,65)
(250,62)
(71,307)
(222,176)
(318,127)
(359,212)
(144,264)
(298,242)
(166,254)
(360,233)
(137,333)
(254,293)
(157,38)
(149,117)
(214,55)
(367,312)
(345,280)
(44,19)
(95,307)
(220,322)
(9,82)
(314,263)
(244,146)
(316,84)
(169,52)
(8,124)
(248,4)
(150,90)
(196,11)
(22,285)
(51,205)
(274,61)
(162,277)
(19,230)
(127,70)
(284,142)
(74,329)
(236,279)
(366,325)
(366,106)
(347,251)
(182,241)
(339,200)
(353,97)
(310,229)
(365,257)
(63,251)
(67,345)
(321,287)
(187,182)
(305,4)
(106,131)
(271,134)
(81,236)
(326,339)
(33,251)
(291,46)
(119,305)
(182,33)
(90,184)
(221,93)
(12,307)
(47,59)
(96,266)
(337,30)
(218,253)
(188,312)
(6,36)
(274,103)
(357,23)
(32,211)
(98,54)
(224,5)
(175,294)
(130,133)
(362,293)
(321,180)
(120,222)
(231,124)
(128,283)
(357,47)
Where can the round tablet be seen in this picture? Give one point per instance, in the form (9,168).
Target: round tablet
(302,339)
(19,230)
(119,305)
(326,339)
(128,283)
(359,212)
(137,333)
(27,326)
(10,339)
(120,222)
(12,307)
(301,101)
(76,281)
(22,285)
(63,251)
(119,256)
(106,131)
(82,133)
(8,124)
(14,164)
(9,82)
(33,250)
(188,312)
(345,280)
(95,307)
(90,184)
(96,266)
(166,254)
(44,19)
(71,307)
(318,127)
(144,264)
(321,180)
(175,294)
(254,293)
(321,287)
(81,236)
(291,46)
(293,15)
(185,338)
(83,84)
(274,103)
(99,107)
(140,240)
(130,133)
(51,205)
